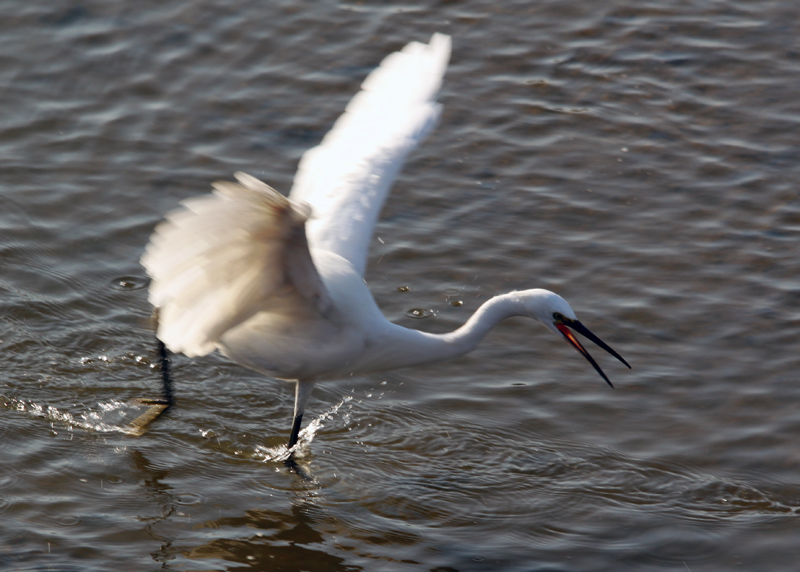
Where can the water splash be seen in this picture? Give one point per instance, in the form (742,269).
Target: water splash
(283,453)
(110,417)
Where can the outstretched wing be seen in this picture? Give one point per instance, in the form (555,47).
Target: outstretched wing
(223,257)
(347,177)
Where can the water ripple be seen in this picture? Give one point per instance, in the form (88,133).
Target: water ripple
(639,158)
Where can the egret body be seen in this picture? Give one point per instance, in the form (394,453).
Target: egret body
(276,283)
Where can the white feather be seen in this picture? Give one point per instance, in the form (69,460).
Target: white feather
(220,258)
(347,177)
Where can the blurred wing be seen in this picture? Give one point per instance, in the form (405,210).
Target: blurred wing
(347,177)
(223,257)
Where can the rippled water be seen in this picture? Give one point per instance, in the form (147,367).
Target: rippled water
(640,158)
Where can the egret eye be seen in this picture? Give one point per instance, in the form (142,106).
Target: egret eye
(558,317)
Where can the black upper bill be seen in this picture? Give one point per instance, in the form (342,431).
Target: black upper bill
(584,331)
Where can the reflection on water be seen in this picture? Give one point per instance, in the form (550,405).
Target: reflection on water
(273,541)
(415,507)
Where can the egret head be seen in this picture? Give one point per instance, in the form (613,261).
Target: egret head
(558,317)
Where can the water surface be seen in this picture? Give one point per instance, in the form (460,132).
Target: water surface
(639,158)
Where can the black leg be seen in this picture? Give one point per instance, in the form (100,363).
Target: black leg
(166,379)
(302,390)
(155,407)
(290,463)
(298,421)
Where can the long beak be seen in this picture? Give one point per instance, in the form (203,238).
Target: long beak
(583,330)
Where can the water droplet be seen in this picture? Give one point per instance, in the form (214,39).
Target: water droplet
(403,288)
(188,499)
(419,313)
(129,283)
(68,520)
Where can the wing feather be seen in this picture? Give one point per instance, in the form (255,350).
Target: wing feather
(220,258)
(347,177)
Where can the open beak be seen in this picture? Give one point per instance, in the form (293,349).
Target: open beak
(563,327)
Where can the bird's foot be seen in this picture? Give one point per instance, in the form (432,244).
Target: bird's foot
(155,407)
(300,470)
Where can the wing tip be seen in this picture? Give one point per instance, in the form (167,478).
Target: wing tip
(441,44)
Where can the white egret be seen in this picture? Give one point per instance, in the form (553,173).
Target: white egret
(276,284)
